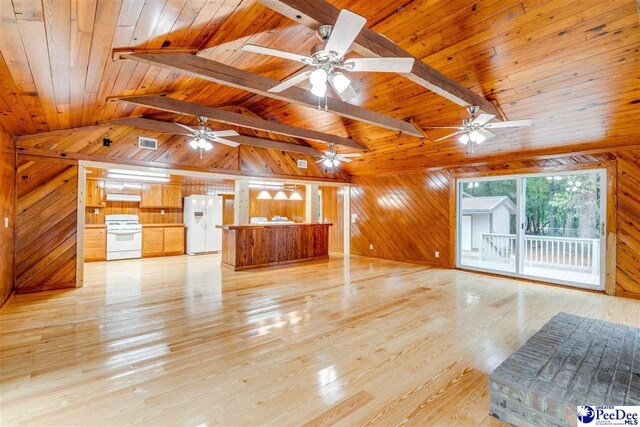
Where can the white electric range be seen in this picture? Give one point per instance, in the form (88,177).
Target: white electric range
(124,237)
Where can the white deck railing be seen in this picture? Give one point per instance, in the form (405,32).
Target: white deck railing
(566,253)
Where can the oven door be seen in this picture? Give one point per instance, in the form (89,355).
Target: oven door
(124,244)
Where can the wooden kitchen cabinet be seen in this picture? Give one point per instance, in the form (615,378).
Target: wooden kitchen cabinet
(152,241)
(171,196)
(95,244)
(174,240)
(161,241)
(161,196)
(95,195)
(151,196)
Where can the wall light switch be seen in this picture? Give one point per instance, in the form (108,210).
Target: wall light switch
(161,211)
(371,246)
(437,254)
(6,222)
(354,217)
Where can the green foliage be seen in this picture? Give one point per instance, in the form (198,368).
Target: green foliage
(564,205)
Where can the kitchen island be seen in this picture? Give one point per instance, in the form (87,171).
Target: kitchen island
(257,245)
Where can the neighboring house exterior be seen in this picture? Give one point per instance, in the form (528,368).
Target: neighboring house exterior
(484,215)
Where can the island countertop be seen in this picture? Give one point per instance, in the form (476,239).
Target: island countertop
(265,245)
(271,224)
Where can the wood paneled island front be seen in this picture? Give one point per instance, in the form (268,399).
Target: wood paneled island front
(254,246)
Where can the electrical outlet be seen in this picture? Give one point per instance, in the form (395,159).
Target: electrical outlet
(96,211)
(6,222)
(161,211)
(437,254)
(354,217)
(371,246)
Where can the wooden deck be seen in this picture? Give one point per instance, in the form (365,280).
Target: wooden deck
(359,341)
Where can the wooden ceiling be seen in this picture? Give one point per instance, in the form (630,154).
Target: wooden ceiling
(572,66)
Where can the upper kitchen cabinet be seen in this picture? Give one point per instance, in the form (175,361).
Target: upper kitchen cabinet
(151,196)
(95,196)
(172,196)
(161,196)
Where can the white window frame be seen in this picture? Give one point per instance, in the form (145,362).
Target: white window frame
(520,203)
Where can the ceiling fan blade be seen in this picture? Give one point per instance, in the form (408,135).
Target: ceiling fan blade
(344,32)
(275,52)
(343,159)
(225,142)
(291,81)
(448,136)
(486,133)
(511,124)
(482,119)
(380,65)
(351,155)
(348,93)
(190,129)
(223,133)
(442,127)
(321,160)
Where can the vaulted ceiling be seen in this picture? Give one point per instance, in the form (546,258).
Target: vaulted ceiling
(571,66)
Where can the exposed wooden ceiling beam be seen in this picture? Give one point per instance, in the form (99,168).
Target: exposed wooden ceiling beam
(223,74)
(149,124)
(223,116)
(313,13)
(172,128)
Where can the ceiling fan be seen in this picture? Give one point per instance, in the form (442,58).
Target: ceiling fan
(203,136)
(327,59)
(474,130)
(332,159)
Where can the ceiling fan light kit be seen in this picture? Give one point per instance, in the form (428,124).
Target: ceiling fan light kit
(332,158)
(474,130)
(328,59)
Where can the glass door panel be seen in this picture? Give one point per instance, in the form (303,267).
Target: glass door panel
(487,224)
(562,228)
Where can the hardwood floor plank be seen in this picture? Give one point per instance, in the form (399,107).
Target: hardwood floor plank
(347,341)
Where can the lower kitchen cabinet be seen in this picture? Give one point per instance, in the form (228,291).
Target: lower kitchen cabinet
(161,241)
(152,241)
(174,240)
(95,244)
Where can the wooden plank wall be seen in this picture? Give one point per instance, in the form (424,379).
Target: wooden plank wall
(173,152)
(46,224)
(333,211)
(7,210)
(406,216)
(292,209)
(628,254)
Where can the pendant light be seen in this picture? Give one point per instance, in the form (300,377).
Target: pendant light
(264,195)
(280,196)
(295,195)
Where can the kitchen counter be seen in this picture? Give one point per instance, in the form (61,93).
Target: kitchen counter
(92,226)
(272,224)
(177,224)
(265,245)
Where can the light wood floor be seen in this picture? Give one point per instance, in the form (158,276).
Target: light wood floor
(340,342)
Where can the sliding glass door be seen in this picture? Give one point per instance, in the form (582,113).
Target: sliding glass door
(543,226)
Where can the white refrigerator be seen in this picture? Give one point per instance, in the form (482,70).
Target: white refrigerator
(201,215)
